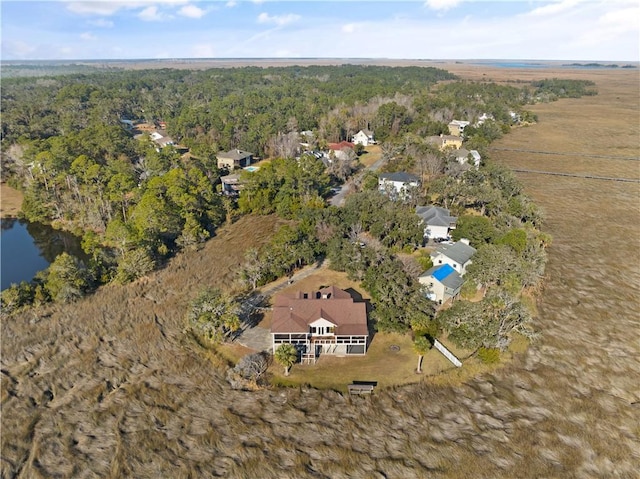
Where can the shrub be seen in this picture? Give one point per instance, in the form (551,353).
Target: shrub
(489,355)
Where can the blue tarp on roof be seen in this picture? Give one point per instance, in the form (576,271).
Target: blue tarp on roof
(442,272)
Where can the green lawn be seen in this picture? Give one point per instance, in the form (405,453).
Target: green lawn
(382,363)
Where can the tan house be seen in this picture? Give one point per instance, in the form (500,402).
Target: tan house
(234,159)
(446,141)
(441,283)
(327,321)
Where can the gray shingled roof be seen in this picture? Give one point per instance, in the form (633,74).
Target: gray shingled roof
(435,216)
(235,155)
(399,176)
(458,252)
(452,280)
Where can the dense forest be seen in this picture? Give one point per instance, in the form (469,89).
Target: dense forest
(64,144)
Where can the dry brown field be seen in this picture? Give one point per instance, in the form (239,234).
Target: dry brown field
(111,387)
(10,201)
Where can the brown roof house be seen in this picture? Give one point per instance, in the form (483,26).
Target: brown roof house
(327,321)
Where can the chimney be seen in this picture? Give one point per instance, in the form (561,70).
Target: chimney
(464,240)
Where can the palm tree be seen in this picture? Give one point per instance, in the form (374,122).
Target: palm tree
(421,345)
(286,355)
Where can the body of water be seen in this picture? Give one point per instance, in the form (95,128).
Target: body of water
(26,248)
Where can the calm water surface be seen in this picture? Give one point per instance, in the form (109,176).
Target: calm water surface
(26,248)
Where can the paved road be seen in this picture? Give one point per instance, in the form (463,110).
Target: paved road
(338,198)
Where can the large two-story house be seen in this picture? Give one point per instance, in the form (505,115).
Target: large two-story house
(234,159)
(327,321)
(441,282)
(364,138)
(399,185)
(437,221)
(457,255)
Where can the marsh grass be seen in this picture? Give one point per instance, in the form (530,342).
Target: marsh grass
(131,402)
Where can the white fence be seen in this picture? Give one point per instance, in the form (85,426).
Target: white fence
(447,354)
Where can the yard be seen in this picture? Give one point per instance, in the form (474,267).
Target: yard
(390,359)
(372,153)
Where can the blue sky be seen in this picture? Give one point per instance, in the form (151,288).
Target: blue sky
(431,29)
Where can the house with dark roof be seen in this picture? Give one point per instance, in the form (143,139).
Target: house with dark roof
(441,283)
(364,138)
(437,221)
(399,185)
(457,255)
(327,321)
(234,159)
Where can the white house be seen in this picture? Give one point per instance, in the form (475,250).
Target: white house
(398,185)
(364,138)
(327,321)
(161,138)
(456,127)
(437,221)
(441,282)
(457,255)
(463,155)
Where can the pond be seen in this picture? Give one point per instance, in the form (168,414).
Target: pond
(26,248)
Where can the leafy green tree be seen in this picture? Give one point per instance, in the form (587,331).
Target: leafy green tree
(16,296)
(421,345)
(478,230)
(286,355)
(213,316)
(67,278)
(516,239)
(134,264)
(488,323)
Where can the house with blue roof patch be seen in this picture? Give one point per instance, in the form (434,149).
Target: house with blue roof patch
(457,255)
(441,282)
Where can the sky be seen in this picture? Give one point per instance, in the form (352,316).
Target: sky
(580,30)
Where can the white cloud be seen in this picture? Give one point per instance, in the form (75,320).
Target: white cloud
(192,11)
(17,49)
(553,8)
(279,20)
(151,14)
(88,36)
(442,4)
(101,23)
(107,8)
(624,19)
(348,28)
(96,8)
(231,3)
(203,50)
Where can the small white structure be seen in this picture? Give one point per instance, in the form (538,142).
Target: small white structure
(364,138)
(484,117)
(456,127)
(442,283)
(463,156)
(437,221)
(457,255)
(161,138)
(398,185)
